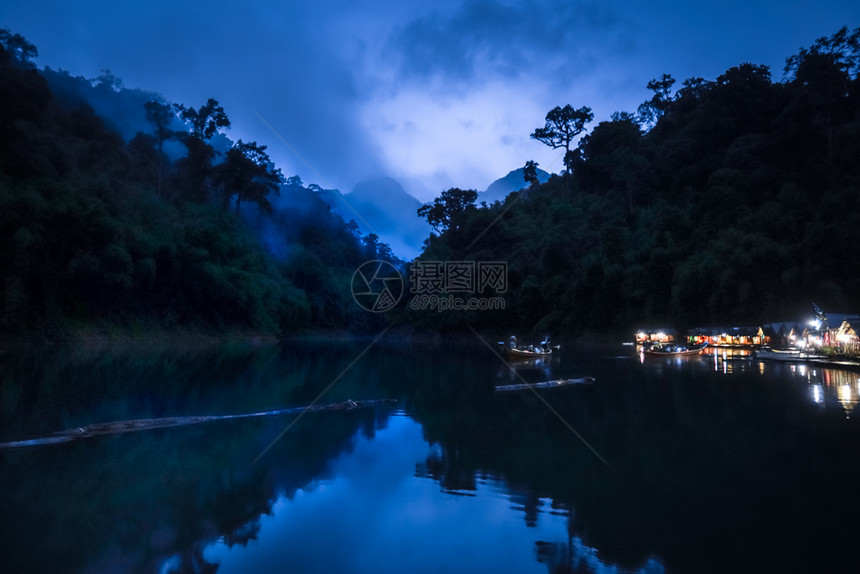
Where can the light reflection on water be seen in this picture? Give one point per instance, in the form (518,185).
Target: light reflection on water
(828,386)
(383,511)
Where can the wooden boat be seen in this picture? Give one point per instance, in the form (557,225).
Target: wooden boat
(528,353)
(546,384)
(674,350)
(514,351)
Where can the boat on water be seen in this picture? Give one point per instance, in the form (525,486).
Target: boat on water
(673,350)
(804,356)
(514,351)
(527,353)
(771,354)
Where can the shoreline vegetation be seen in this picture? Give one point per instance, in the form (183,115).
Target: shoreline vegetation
(96,339)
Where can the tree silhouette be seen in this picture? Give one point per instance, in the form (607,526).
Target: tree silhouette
(18,46)
(530,172)
(248,175)
(206,120)
(843,45)
(652,110)
(446,209)
(203,125)
(562,127)
(160,115)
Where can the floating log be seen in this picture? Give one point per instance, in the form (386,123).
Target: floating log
(546,384)
(135,425)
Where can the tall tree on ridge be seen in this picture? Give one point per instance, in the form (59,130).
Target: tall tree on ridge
(248,174)
(203,123)
(652,110)
(562,127)
(160,115)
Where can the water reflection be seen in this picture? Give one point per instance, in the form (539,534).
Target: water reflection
(530,369)
(828,386)
(388,508)
(709,468)
(730,361)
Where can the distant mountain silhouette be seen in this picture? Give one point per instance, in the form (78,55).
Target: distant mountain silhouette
(383,207)
(514,181)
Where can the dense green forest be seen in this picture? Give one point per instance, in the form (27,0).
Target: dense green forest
(97,230)
(734,200)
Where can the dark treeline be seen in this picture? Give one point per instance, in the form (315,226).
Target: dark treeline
(99,231)
(731,200)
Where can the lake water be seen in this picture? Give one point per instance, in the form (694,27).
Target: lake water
(662,465)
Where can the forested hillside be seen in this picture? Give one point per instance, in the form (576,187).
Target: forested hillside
(97,231)
(728,200)
(732,200)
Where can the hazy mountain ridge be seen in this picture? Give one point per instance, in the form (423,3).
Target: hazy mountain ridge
(383,207)
(513,181)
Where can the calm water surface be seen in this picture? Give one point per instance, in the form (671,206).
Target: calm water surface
(719,463)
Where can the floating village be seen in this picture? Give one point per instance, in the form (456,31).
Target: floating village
(828,338)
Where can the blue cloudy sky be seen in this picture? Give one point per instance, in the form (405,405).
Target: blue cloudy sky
(435,94)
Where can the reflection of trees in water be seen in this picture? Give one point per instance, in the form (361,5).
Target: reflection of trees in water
(152,501)
(457,476)
(704,468)
(452,475)
(160,497)
(574,557)
(707,467)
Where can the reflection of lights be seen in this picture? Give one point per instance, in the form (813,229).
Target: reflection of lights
(816,393)
(801,369)
(846,398)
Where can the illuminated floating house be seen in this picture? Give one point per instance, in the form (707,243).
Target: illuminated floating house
(846,335)
(837,331)
(650,335)
(727,336)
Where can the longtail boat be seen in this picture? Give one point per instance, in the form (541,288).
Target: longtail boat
(674,350)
